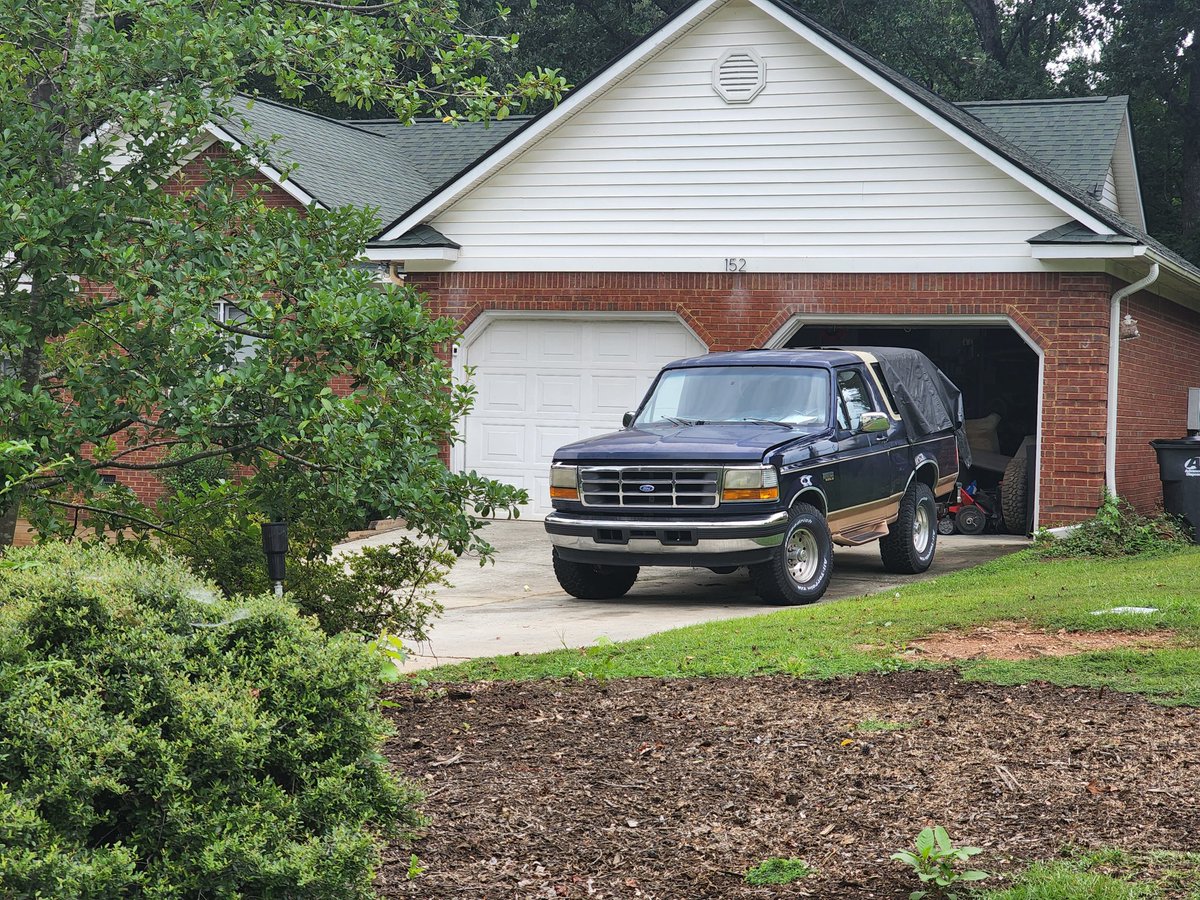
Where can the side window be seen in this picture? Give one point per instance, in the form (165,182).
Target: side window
(887,391)
(854,399)
(227,313)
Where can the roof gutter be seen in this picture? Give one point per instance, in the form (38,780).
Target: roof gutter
(1114,372)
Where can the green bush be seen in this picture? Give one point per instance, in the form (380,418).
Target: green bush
(1116,530)
(159,741)
(379,590)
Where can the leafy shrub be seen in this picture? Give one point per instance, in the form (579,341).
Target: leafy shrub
(191,477)
(159,741)
(378,590)
(386,589)
(1116,530)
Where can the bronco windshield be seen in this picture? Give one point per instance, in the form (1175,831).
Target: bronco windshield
(795,396)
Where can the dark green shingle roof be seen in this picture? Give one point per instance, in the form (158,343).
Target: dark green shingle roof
(380,164)
(1074,137)
(441,150)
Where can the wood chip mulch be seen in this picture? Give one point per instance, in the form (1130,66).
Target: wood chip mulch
(674,788)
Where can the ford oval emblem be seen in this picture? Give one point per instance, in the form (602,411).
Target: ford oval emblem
(646,488)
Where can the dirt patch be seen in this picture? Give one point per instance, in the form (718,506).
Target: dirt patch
(671,789)
(1014,640)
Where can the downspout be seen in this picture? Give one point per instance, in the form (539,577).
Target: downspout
(1114,372)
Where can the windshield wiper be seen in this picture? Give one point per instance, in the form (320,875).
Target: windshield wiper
(681,422)
(786,425)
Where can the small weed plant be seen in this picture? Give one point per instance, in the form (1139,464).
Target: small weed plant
(935,861)
(1116,530)
(778,870)
(882,725)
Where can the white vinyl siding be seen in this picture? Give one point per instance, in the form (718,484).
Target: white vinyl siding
(1109,196)
(821,172)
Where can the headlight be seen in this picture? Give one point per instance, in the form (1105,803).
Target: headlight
(751,484)
(564,482)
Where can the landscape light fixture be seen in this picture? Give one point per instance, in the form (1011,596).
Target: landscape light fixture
(275,547)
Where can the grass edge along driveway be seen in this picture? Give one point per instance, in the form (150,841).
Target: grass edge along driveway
(869,634)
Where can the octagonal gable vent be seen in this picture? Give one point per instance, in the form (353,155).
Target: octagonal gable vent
(739,75)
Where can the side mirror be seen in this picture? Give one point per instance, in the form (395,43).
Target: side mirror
(627,420)
(874,423)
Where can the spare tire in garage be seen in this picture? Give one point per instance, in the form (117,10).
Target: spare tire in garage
(1014,494)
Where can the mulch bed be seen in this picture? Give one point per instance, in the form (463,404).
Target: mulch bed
(673,788)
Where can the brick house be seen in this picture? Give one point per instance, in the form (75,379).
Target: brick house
(745,178)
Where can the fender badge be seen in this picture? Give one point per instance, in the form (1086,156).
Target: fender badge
(828,476)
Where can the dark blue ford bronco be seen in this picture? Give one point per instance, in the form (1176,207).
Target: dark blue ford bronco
(763,459)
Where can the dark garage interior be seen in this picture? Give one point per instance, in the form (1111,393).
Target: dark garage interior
(992,365)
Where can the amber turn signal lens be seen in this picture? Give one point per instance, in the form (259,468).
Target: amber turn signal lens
(564,493)
(766,493)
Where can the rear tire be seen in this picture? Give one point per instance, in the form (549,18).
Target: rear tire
(908,547)
(799,571)
(1013,495)
(594,582)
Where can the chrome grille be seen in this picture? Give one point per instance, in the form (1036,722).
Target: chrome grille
(650,487)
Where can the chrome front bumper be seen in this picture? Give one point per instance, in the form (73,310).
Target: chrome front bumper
(677,542)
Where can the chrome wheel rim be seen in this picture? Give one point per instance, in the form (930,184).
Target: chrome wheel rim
(803,558)
(922,528)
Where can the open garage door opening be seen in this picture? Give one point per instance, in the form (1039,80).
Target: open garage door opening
(998,374)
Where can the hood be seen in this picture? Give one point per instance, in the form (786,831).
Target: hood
(725,442)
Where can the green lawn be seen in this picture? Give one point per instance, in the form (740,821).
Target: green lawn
(866,634)
(1105,874)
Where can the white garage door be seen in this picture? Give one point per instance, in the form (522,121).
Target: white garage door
(542,383)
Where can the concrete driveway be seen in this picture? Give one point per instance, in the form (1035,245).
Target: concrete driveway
(516,606)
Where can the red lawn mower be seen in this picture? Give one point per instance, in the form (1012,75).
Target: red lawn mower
(968,511)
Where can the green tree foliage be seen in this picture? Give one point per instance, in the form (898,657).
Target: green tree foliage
(109,346)
(1149,52)
(161,742)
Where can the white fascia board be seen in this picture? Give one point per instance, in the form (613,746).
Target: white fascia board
(530,135)
(1087,251)
(1047,193)
(406,254)
(273,175)
(1127,157)
(1174,268)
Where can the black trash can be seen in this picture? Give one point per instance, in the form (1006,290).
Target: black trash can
(1179,469)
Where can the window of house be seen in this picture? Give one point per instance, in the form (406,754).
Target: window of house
(243,344)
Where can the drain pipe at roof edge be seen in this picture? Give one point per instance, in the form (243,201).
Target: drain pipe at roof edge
(1114,371)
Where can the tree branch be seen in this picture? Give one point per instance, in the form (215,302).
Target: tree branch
(153,526)
(300,461)
(172,464)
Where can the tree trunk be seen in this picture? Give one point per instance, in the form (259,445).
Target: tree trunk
(987,25)
(8,520)
(29,365)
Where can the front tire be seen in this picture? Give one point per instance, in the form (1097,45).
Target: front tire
(799,570)
(594,582)
(908,547)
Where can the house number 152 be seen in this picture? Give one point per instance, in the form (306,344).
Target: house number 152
(735,264)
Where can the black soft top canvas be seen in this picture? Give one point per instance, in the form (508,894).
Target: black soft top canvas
(929,401)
